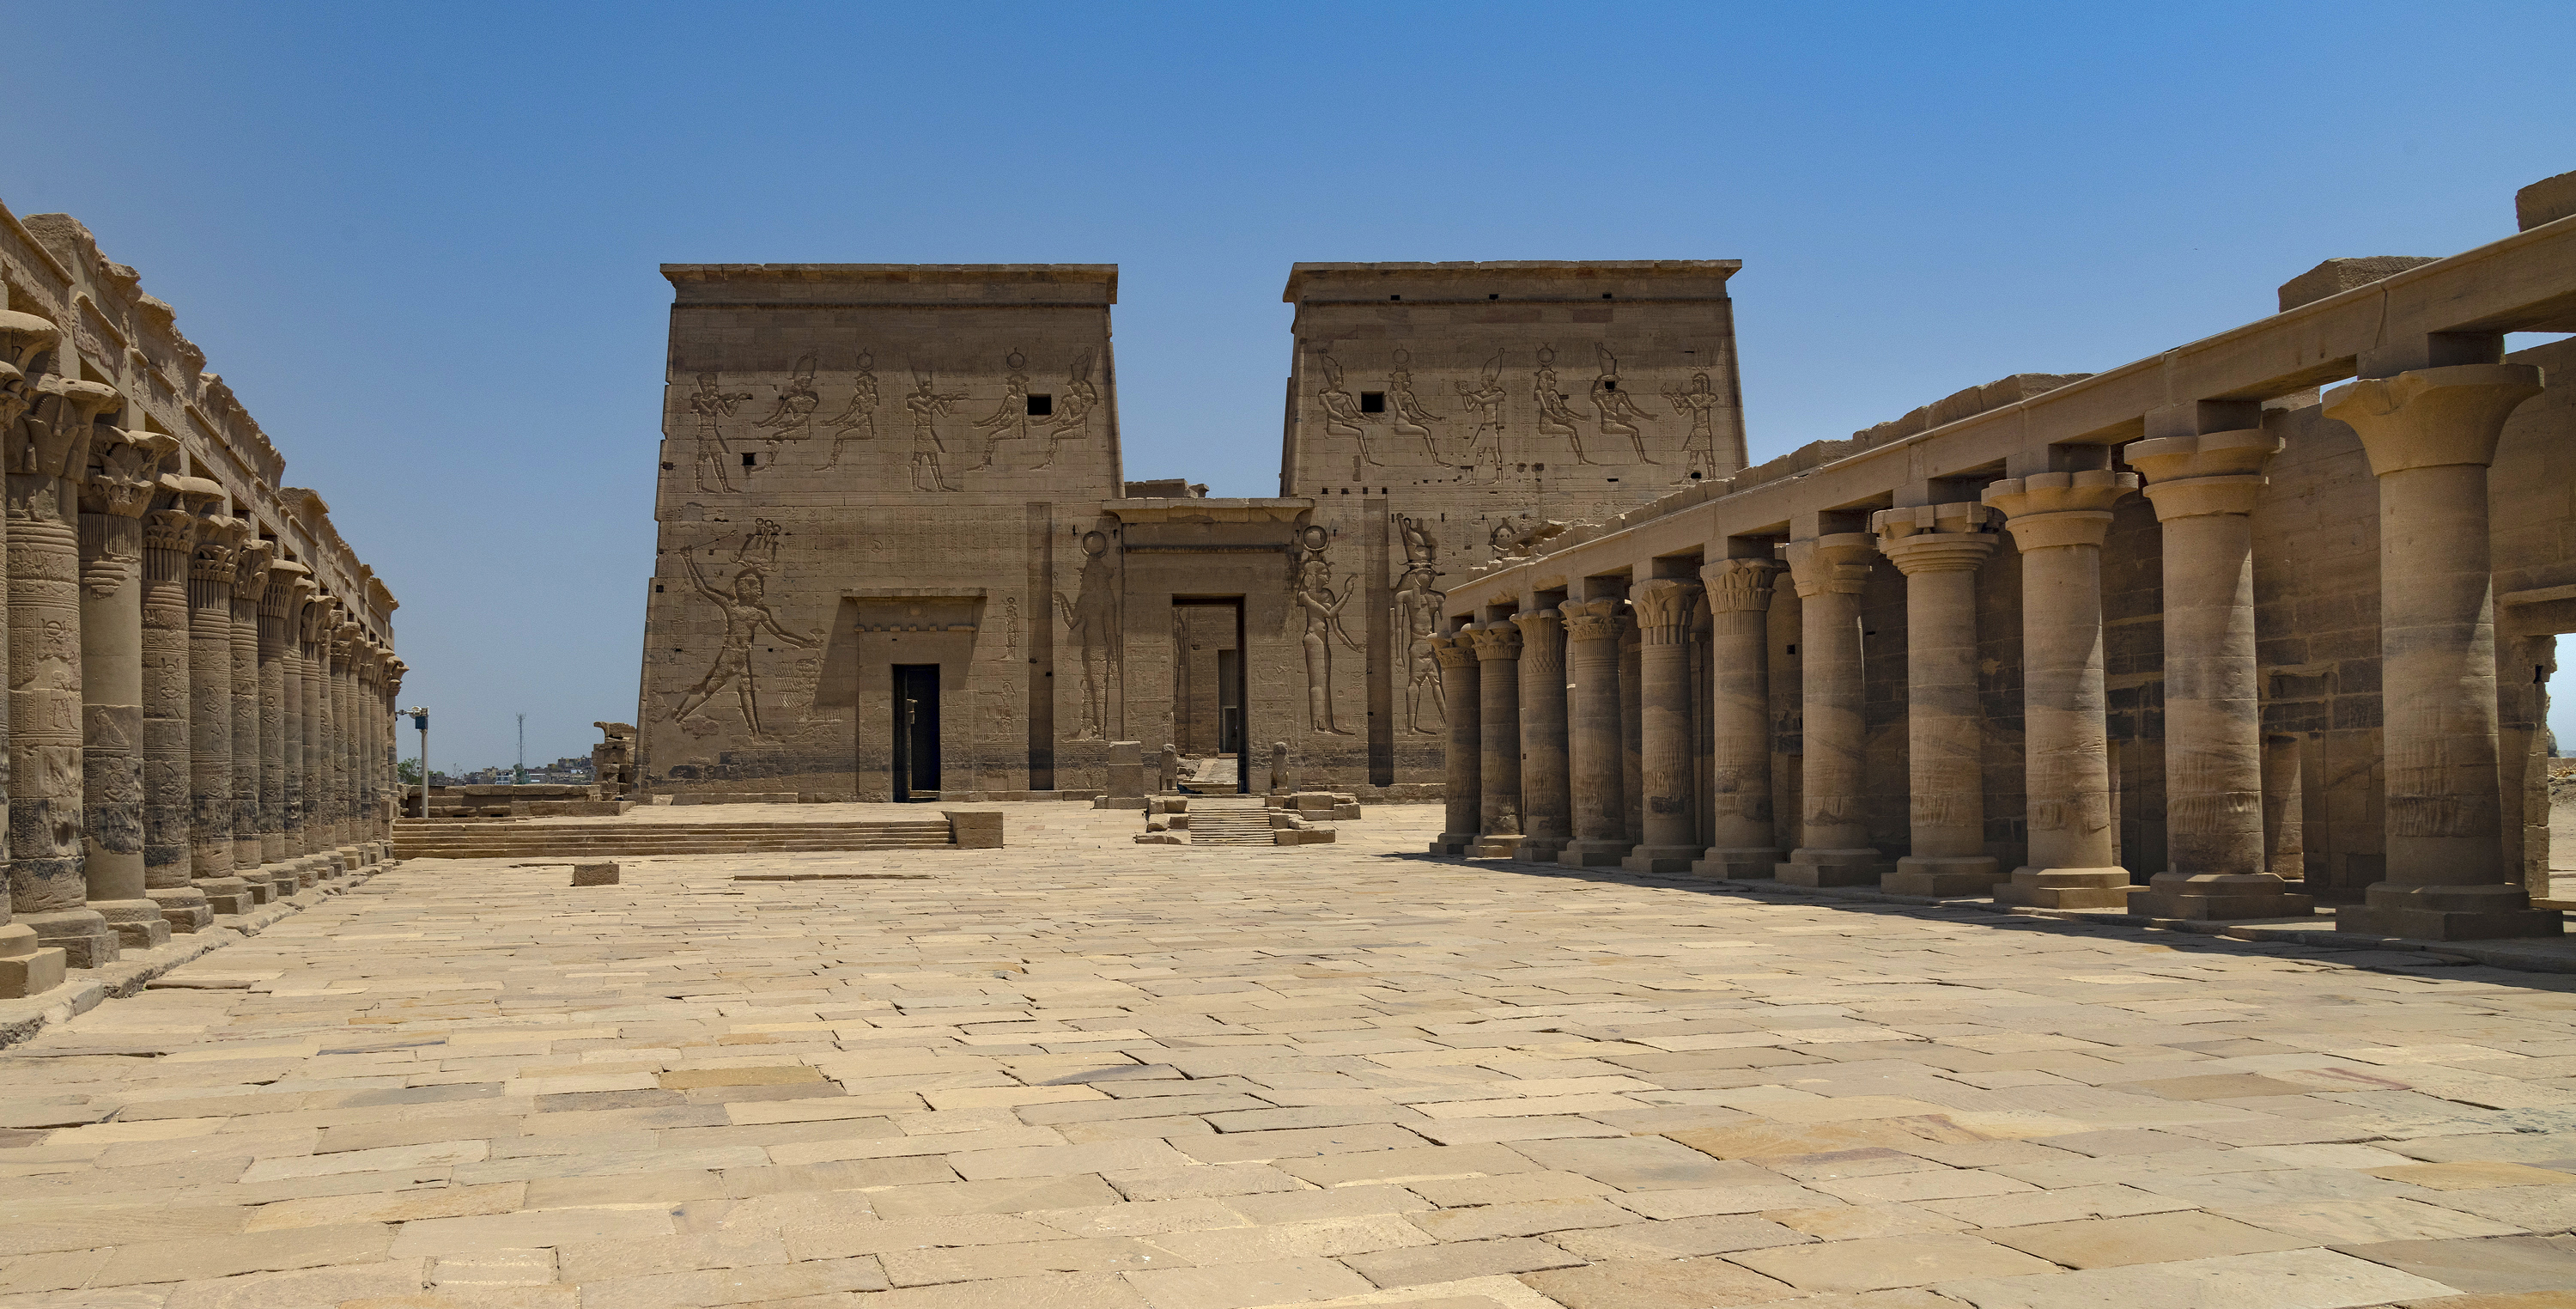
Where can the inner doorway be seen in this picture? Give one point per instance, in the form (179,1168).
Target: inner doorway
(1209,708)
(916,732)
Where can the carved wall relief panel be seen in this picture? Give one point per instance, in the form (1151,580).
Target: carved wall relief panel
(748,620)
(1416,618)
(1485,443)
(1699,403)
(927,405)
(1321,607)
(793,417)
(1616,409)
(1011,417)
(1091,619)
(711,405)
(1073,408)
(859,420)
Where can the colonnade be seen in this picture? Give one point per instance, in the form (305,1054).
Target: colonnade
(194,726)
(1536,739)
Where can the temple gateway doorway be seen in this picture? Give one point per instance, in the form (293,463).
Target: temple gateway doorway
(1208,705)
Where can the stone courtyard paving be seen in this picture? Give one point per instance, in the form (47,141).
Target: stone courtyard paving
(1081,1072)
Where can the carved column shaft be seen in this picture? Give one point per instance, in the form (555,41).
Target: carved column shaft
(113,500)
(1498,678)
(169,534)
(317,763)
(1546,806)
(1632,739)
(1833,839)
(1939,549)
(249,579)
(2430,435)
(210,720)
(275,598)
(2058,522)
(344,731)
(1593,629)
(293,674)
(1664,607)
(1463,704)
(1739,603)
(48,887)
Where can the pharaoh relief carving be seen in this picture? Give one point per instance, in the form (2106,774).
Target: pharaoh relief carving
(858,422)
(792,419)
(1011,417)
(1342,415)
(1411,419)
(1073,408)
(1417,619)
(1312,589)
(1485,399)
(712,404)
(1554,418)
(1616,410)
(928,404)
(1699,403)
(743,599)
(1091,618)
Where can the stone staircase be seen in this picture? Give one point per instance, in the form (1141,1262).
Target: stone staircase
(1228,820)
(431,838)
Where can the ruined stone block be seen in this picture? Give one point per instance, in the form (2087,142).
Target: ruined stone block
(599,874)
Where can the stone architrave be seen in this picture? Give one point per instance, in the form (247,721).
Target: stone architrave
(1833,841)
(1742,844)
(27,966)
(1939,549)
(169,535)
(1464,793)
(2430,435)
(2204,488)
(210,707)
(250,579)
(124,468)
(48,886)
(1593,631)
(2058,522)
(1546,806)
(1498,678)
(1664,608)
(276,596)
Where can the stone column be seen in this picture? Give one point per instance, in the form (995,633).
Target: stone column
(297,583)
(1593,630)
(390,723)
(1939,549)
(2204,487)
(1459,703)
(48,885)
(169,534)
(250,579)
(210,707)
(123,470)
(344,729)
(276,594)
(1664,608)
(1742,844)
(1498,678)
(2430,435)
(367,704)
(1632,709)
(2284,810)
(27,966)
(1833,837)
(317,734)
(2058,522)
(1547,816)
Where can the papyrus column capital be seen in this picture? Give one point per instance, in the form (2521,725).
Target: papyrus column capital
(1830,565)
(2432,416)
(1736,586)
(1947,538)
(2047,510)
(1663,607)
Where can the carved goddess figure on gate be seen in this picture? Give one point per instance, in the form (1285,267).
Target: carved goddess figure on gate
(1700,402)
(1554,419)
(1617,410)
(928,405)
(1073,418)
(1342,415)
(1485,444)
(1411,419)
(711,406)
(1011,417)
(747,615)
(859,421)
(1092,618)
(1323,609)
(793,418)
(1417,620)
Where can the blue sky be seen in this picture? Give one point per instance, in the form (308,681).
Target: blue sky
(420,240)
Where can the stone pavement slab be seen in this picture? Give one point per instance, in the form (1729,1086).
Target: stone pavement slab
(1081,1072)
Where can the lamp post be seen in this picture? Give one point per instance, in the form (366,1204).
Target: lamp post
(420,719)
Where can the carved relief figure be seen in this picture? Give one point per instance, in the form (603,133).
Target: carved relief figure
(1417,618)
(1092,618)
(1485,444)
(711,406)
(793,418)
(1342,415)
(1617,410)
(1411,419)
(1554,419)
(859,421)
(1699,449)
(747,615)
(1419,548)
(928,405)
(1010,625)
(1011,417)
(1073,416)
(1323,610)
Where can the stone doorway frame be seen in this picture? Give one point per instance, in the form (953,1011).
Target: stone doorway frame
(1242,697)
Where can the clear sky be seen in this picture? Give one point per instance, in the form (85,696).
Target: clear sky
(420,240)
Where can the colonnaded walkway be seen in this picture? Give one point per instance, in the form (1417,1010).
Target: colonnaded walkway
(1089,1073)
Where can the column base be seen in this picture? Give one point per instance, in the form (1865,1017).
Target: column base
(1495,845)
(228,895)
(1943,876)
(1831,868)
(1540,849)
(1737,865)
(81,934)
(2211,896)
(2448,913)
(27,968)
(1661,859)
(138,924)
(1451,845)
(1593,854)
(2067,888)
(183,907)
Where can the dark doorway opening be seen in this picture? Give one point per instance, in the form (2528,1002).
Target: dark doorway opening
(916,732)
(1233,725)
